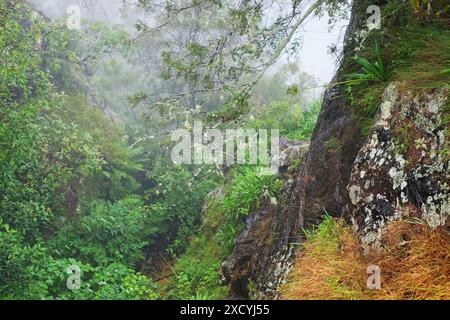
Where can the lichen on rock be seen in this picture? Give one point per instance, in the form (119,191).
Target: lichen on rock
(400,172)
(258,257)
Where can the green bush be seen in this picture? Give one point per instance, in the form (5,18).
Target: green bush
(178,199)
(292,121)
(248,185)
(108,233)
(56,152)
(197,273)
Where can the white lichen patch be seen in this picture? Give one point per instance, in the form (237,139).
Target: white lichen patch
(354,192)
(436,210)
(386,108)
(398,177)
(433,106)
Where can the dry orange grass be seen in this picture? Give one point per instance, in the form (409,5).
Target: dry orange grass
(414,264)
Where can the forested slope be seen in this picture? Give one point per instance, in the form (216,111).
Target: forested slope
(93,207)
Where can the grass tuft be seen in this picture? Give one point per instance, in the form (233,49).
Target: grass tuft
(332,264)
(375,71)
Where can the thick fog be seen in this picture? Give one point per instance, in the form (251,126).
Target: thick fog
(107,10)
(314,56)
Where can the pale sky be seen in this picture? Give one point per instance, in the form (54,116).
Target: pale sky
(314,56)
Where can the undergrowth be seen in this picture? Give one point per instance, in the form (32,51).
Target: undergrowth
(332,264)
(197,272)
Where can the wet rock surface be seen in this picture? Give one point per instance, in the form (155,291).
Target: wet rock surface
(265,250)
(397,171)
(401,171)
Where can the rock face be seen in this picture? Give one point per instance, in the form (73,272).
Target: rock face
(401,170)
(398,171)
(264,251)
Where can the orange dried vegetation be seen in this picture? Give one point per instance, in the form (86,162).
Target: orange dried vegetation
(332,264)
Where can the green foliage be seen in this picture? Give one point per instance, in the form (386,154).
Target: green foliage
(197,273)
(295,165)
(324,234)
(235,108)
(109,282)
(414,53)
(117,282)
(248,185)
(227,234)
(40,154)
(290,119)
(55,153)
(427,57)
(372,71)
(108,233)
(225,47)
(30,272)
(118,177)
(178,199)
(78,190)
(105,38)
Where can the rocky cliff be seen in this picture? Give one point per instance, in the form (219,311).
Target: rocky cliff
(400,171)
(367,179)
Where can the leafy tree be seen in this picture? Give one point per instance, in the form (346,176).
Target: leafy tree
(234,42)
(54,152)
(179,199)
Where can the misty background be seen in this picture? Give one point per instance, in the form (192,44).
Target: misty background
(314,57)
